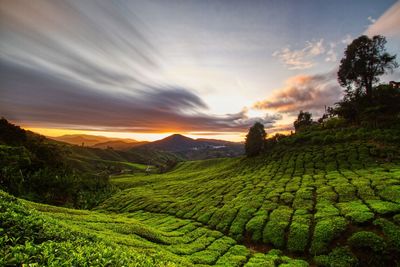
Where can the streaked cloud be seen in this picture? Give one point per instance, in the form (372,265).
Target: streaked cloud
(301,58)
(143,65)
(33,97)
(304,92)
(388,24)
(96,43)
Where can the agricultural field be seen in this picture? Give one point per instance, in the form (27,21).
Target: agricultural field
(55,236)
(326,205)
(332,205)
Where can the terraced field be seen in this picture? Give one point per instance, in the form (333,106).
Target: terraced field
(53,236)
(332,205)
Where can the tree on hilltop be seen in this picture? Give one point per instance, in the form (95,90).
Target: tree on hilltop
(304,119)
(255,140)
(364,60)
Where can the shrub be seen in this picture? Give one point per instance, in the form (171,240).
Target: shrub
(383,207)
(274,231)
(391,231)
(325,231)
(365,239)
(356,211)
(339,257)
(255,226)
(299,231)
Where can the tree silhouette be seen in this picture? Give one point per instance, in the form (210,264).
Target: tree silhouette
(255,140)
(364,60)
(303,120)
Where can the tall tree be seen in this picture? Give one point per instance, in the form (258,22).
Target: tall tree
(304,119)
(255,140)
(364,60)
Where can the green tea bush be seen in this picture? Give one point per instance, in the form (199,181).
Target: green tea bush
(339,257)
(299,231)
(365,239)
(274,231)
(356,211)
(255,226)
(325,231)
(391,231)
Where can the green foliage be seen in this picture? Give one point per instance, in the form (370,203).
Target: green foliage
(365,59)
(255,226)
(365,239)
(339,257)
(392,232)
(255,140)
(383,207)
(356,211)
(299,231)
(27,237)
(274,231)
(325,231)
(303,121)
(305,199)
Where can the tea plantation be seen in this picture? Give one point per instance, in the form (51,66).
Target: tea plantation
(319,205)
(331,205)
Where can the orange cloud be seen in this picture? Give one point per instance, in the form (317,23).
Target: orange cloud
(303,92)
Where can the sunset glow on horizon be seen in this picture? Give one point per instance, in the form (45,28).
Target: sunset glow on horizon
(148,69)
(52,132)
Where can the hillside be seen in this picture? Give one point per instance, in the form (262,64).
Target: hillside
(118,144)
(49,171)
(189,148)
(179,145)
(305,202)
(330,205)
(52,236)
(89,140)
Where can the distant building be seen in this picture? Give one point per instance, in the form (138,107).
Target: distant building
(394,84)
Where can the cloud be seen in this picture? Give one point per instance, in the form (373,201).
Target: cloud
(370,19)
(331,55)
(302,58)
(33,97)
(281,128)
(347,39)
(94,42)
(388,24)
(304,92)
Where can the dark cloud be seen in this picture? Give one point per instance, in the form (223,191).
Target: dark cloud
(89,65)
(304,92)
(96,42)
(33,97)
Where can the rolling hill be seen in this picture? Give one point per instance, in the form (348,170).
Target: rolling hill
(90,140)
(300,204)
(326,204)
(182,146)
(320,198)
(119,145)
(189,148)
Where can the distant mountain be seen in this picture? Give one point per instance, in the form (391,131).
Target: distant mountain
(174,143)
(190,148)
(119,145)
(89,140)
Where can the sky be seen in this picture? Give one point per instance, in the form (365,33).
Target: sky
(146,69)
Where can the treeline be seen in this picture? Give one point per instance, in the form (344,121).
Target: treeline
(368,110)
(33,167)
